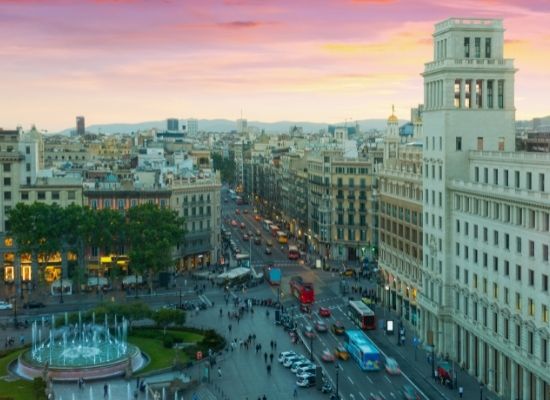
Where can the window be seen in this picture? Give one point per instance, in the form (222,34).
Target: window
(501,93)
(530,342)
(531,307)
(7,167)
(506,296)
(495,291)
(531,248)
(544,313)
(487,47)
(517,179)
(71,195)
(518,273)
(495,238)
(541,182)
(544,350)
(7,195)
(477,46)
(41,195)
(466,277)
(529,181)
(518,302)
(544,283)
(7,181)
(506,268)
(544,252)
(467,47)
(55,195)
(495,176)
(506,324)
(507,241)
(456,98)
(24,195)
(459,143)
(518,244)
(506,178)
(476,174)
(490,93)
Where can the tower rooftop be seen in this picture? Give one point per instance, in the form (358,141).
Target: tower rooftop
(468,23)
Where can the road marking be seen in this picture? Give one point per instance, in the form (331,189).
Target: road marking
(369,379)
(362,396)
(392,395)
(382,395)
(349,379)
(388,379)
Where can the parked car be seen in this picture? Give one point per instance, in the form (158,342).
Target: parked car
(288,361)
(242,225)
(349,272)
(245,211)
(234,223)
(341,352)
(284,354)
(392,367)
(306,381)
(326,388)
(300,364)
(268,251)
(258,240)
(324,312)
(34,304)
(257,218)
(269,243)
(237,211)
(338,328)
(305,371)
(321,326)
(5,306)
(246,238)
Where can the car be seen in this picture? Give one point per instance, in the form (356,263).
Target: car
(307,370)
(392,367)
(321,326)
(349,272)
(341,352)
(245,211)
(269,243)
(257,218)
(258,233)
(5,306)
(306,308)
(237,211)
(324,312)
(237,250)
(308,331)
(242,225)
(246,238)
(300,364)
(288,361)
(306,381)
(327,356)
(257,240)
(234,223)
(284,354)
(338,328)
(268,250)
(34,304)
(409,393)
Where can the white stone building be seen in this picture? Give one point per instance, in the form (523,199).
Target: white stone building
(484,297)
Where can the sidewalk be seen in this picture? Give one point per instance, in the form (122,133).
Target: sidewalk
(415,363)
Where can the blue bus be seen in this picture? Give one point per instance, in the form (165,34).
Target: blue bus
(363,350)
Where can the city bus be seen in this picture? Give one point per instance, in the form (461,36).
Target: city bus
(266,224)
(293,253)
(282,238)
(303,291)
(362,350)
(361,314)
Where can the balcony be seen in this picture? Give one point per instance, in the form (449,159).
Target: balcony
(474,63)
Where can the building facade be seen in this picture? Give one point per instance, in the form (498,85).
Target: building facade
(485,224)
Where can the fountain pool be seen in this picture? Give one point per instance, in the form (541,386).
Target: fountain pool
(79,350)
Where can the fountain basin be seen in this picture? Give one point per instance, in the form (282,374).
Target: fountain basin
(29,368)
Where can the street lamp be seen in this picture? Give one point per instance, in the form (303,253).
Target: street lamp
(337,391)
(480,390)
(15,311)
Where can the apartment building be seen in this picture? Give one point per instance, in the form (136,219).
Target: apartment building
(400,216)
(486,217)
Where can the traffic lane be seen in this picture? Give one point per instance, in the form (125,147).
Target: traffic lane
(352,380)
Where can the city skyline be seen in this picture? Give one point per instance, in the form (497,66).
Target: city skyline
(328,61)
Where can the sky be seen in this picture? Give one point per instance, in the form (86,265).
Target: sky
(300,60)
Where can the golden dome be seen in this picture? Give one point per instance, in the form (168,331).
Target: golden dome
(392,119)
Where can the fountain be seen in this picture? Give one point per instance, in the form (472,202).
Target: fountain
(79,350)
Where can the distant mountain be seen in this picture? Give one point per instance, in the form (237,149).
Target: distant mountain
(225,125)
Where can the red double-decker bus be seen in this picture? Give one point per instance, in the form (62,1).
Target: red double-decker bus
(303,291)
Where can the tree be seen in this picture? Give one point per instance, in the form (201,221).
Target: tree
(152,232)
(166,317)
(226,167)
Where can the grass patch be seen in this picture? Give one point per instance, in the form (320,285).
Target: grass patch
(19,389)
(151,342)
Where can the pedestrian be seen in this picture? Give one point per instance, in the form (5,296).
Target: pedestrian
(460,391)
(219,372)
(268,369)
(265,357)
(229,327)
(271,358)
(137,382)
(105,391)
(264,397)
(295,392)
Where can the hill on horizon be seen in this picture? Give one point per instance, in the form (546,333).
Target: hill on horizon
(225,125)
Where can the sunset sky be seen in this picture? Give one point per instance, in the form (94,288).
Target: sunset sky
(309,60)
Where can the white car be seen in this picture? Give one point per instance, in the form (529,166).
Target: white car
(306,381)
(5,306)
(300,364)
(284,354)
(291,360)
(306,371)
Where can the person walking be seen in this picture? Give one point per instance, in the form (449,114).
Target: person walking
(295,392)
(460,391)
(268,369)
(219,372)
(105,391)
(271,358)
(265,358)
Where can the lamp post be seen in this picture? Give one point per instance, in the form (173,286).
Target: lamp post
(61,288)
(337,391)
(480,390)
(180,299)
(311,347)
(15,311)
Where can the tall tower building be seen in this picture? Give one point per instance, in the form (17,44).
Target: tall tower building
(80,126)
(172,124)
(472,309)
(192,126)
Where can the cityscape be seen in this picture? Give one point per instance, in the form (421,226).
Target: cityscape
(344,200)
